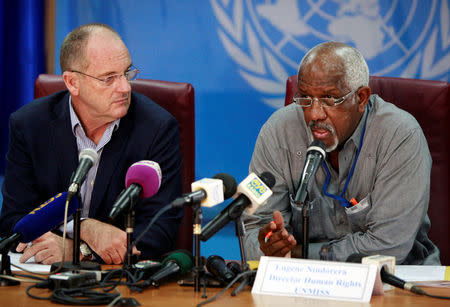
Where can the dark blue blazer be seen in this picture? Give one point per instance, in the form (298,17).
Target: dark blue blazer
(43,154)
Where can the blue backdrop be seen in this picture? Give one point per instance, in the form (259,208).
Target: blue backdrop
(21,58)
(238,55)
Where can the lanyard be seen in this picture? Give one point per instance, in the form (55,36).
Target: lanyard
(344,202)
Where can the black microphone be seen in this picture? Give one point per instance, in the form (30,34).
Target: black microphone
(208,192)
(87,157)
(234,267)
(216,266)
(388,277)
(314,156)
(177,262)
(253,191)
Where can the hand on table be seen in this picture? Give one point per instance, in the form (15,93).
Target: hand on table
(46,249)
(108,241)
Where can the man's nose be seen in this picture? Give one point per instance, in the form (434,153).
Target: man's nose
(123,85)
(317,111)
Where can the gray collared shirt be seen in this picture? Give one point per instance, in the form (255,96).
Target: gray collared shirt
(391,182)
(84,142)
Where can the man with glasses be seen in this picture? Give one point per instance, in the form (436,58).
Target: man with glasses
(98,111)
(371,193)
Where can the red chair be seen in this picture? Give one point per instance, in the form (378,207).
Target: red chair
(428,101)
(178,99)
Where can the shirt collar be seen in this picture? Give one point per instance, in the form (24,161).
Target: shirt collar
(75,121)
(356,136)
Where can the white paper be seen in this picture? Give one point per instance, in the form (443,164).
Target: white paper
(420,272)
(30,265)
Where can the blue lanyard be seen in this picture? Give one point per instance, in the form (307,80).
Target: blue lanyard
(344,202)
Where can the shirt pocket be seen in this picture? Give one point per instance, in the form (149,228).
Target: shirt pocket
(357,215)
(314,228)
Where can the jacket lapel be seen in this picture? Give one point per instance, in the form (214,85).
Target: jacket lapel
(64,143)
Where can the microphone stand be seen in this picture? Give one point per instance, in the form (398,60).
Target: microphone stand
(129,226)
(6,270)
(198,267)
(305,218)
(76,264)
(130,259)
(240,232)
(76,235)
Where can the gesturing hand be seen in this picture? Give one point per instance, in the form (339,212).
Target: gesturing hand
(280,242)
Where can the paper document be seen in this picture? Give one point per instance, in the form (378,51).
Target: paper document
(426,275)
(30,265)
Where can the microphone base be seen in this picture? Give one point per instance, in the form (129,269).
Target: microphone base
(70,266)
(208,278)
(6,270)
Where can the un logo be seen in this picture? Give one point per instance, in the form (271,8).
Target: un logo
(267,38)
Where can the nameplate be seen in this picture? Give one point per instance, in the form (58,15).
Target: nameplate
(315,279)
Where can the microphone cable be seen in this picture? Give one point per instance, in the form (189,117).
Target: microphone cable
(239,276)
(153,220)
(423,292)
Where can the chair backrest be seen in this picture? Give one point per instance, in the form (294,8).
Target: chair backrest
(178,99)
(428,101)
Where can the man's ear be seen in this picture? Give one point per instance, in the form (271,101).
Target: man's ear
(362,96)
(72,82)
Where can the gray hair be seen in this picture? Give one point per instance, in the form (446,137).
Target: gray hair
(73,48)
(355,66)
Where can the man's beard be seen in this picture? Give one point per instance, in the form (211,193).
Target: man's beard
(328,127)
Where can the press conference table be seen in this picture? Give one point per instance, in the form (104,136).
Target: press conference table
(172,294)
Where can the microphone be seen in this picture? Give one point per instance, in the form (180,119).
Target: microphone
(314,156)
(87,157)
(143,180)
(387,277)
(253,191)
(234,267)
(208,191)
(177,262)
(39,221)
(216,266)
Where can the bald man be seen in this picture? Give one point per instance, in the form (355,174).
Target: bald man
(386,147)
(99,111)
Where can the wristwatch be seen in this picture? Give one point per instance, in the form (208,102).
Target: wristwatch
(86,252)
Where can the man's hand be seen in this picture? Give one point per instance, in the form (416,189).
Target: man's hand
(108,241)
(280,242)
(46,249)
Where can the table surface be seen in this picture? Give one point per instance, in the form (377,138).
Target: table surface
(171,294)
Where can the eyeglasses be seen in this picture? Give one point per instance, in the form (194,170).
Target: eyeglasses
(327,102)
(129,75)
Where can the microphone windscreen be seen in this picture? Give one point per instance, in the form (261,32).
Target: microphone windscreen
(229,184)
(234,267)
(45,217)
(317,143)
(216,265)
(147,174)
(89,153)
(318,146)
(268,179)
(183,258)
